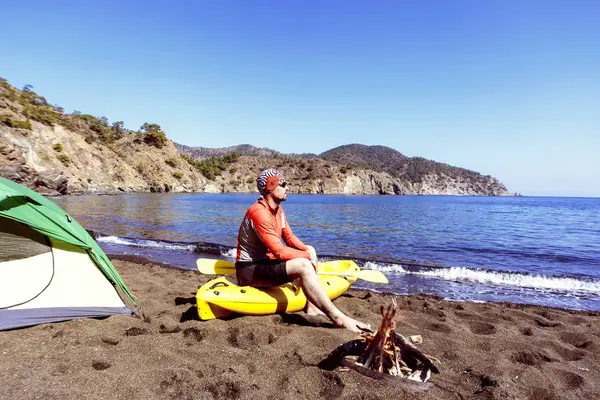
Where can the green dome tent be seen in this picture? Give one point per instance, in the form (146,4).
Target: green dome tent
(51,269)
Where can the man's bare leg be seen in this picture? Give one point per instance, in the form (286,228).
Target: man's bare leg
(310,308)
(302,269)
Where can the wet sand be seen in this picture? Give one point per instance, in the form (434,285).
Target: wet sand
(488,351)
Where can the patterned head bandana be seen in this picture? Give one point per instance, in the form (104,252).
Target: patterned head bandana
(268,180)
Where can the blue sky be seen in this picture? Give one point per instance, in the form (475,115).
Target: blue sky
(506,88)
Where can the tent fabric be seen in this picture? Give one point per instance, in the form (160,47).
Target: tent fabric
(51,269)
(10,319)
(25,279)
(66,277)
(23,205)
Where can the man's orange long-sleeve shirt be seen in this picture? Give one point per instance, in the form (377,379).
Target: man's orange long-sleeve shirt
(262,235)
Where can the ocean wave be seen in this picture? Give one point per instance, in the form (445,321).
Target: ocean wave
(523,253)
(193,247)
(146,243)
(455,274)
(501,278)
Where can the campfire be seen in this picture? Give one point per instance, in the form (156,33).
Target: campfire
(383,354)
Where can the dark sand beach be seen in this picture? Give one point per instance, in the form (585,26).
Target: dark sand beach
(488,351)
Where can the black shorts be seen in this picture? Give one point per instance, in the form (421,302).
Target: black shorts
(265,273)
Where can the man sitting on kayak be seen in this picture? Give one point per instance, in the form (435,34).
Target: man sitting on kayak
(263,260)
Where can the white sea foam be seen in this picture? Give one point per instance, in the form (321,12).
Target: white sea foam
(398,269)
(231,253)
(145,243)
(544,282)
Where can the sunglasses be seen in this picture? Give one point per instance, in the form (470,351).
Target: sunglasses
(283,185)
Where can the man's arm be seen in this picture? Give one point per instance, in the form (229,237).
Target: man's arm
(263,223)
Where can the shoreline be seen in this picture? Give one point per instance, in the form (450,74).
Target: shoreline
(488,350)
(217,252)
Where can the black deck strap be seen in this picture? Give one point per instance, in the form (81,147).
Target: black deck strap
(218,284)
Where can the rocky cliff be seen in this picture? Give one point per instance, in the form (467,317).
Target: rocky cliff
(321,176)
(58,153)
(31,157)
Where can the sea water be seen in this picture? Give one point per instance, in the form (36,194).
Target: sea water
(536,250)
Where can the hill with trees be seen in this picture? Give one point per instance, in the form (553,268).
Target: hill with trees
(382,158)
(56,152)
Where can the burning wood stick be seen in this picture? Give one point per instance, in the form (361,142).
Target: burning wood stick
(396,357)
(374,355)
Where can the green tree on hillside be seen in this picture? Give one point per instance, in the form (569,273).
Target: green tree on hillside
(153,135)
(118,129)
(213,166)
(36,107)
(98,125)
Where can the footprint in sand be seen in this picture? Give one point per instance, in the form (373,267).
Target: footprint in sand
(464,314)
(435,313)
(111,340)
(570,380)
(250,336)
(136,331)
(194,334)
(544,323)
(547,314)
(532,358)
(527,331)
(58,334)
(100,365)
(579,340)
(482,328)
(438,327)
(225,390)
(570,354)
(171,328)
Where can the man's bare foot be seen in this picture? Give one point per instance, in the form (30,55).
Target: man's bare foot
(311,309)
(343,321)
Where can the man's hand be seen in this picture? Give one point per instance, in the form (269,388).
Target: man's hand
(313,257)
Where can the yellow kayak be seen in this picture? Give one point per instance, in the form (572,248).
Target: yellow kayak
(221,297)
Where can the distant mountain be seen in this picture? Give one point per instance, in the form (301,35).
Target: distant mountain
(200,153)
(378,158)
(352,169)
(382,158)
